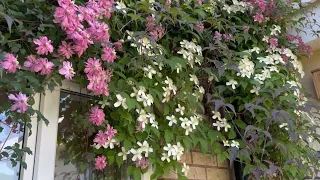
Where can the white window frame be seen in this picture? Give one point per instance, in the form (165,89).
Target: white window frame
(46,141)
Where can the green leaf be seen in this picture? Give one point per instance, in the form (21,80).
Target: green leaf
(203,146)
(168,136)
(136,174)
(8,19)
(131,103)
(240,124)
(16,85)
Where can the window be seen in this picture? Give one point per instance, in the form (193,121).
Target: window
(9,135)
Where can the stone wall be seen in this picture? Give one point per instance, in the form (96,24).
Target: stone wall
(203,167)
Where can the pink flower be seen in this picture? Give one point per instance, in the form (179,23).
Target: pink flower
(118,45)
(32,64)
(96,116)
(200,1)
(80,47)
(227,37)
(99,31)
(200,26)
(21,102)
(110,132)
(101,138)
(65,50)
(217,35)
(65,16)
(92,66)
(44,45)
(259,18)
(67,70)
(10,63)
(46,66)
(142,163)
(273,42)
(109,54)
(101,162)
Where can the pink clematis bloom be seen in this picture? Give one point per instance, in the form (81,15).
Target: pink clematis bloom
(273,42)
(67,70)
(80,47)
(259,18)
(32,64)
(118,45)
(92,66)
(109,54)
(46,66)
(200,26)
(44,45)
(96,116)
(65,50)
(10,63)
(21,102)
(101,162)
(110,132)
(101,138)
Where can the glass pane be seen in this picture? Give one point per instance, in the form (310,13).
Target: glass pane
(73,142)
(9,135)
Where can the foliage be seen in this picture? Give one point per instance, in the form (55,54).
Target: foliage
(172,76)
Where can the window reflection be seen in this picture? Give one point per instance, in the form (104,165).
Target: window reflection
(73,141)
(8,136)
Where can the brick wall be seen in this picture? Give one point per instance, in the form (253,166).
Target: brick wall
(203,167)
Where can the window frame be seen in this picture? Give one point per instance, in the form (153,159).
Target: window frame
(46,138)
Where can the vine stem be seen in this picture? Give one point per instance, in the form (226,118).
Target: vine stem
(15,40)
(6,140)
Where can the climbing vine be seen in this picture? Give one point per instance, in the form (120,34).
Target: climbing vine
(165,77)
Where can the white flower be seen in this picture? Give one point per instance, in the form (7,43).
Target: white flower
(222,123)
(165,157)
(193,78)
(201,90)
(142,117)
(235,144)
(104,103)
(135,92)
(265,38)
(185,169)
(255,49)
(179,151)
(178,68)
(284,125)
(154,124)
(180,109)
(226,143)
(121,101)
(216,115)
(144,147)
(246,68)
(232,83)
(152,117)
(188,130)
(172,120)
(149,71)
(171,150)
(123,153)
(275,30)
(121,6)
(273,69)
(255,90)
(110,143)
(147,100)
(194,121)
(185,123)
(137,154)
(298,66)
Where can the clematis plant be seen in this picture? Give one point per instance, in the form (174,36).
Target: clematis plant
(166,77)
